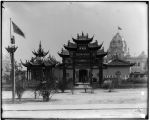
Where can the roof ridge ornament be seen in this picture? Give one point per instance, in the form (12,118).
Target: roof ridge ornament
(87,35)
(82,34)
(77,35)
(68,42)
(40,46)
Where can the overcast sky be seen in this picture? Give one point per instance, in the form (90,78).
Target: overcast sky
(54,23)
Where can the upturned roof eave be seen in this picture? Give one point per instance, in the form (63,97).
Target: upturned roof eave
(118,65)
(102,54)
(43,54)
(27,64)
(63,55)
(94,48)
(70,48)
(82,41)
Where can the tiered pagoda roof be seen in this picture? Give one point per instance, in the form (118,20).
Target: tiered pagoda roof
(39,63)
(39,60)
(83,40)
(40,52)
(70,46)
(64,53)
(94,46)
(101,52)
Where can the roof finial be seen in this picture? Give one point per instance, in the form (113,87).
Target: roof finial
(68,42)
(40,46)
(77,35)
(87,35)
(82,33)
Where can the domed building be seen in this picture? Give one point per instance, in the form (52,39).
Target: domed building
(117,47)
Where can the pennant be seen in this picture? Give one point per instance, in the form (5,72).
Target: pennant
(17,30)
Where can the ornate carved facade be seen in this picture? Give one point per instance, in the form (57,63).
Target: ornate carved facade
(83,58)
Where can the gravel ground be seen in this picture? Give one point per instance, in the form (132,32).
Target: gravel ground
(120,103)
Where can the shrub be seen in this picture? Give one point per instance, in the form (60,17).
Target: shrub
(106,84)
(139,80)
(19,90)
(46,89)
(62,85)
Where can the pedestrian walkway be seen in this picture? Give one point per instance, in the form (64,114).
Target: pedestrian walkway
(37,107)
(74,111)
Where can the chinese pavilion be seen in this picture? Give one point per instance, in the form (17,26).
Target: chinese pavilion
(39,68)
(83,59)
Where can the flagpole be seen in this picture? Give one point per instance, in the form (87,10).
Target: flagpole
(10,30)
(11,49)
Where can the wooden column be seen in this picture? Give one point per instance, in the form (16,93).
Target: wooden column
(73,66)
(64,71)
(91,68)
(51,73)
(100,71)
(30,74)
(27,74)
(43,73)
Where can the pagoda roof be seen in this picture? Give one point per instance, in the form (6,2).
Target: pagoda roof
(119,63)
(38,62)
(82,39)
(70,46)
(101,53)
(26,64)
(40,52)
(64,53)
(94,46)
(52,60)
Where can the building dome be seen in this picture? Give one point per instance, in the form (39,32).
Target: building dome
(117,47)
(117,37)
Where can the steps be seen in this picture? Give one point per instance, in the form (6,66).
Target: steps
(84,86)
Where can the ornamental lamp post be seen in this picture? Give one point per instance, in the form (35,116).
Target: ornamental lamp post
(11,50)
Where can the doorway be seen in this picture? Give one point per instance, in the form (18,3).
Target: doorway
(83,75)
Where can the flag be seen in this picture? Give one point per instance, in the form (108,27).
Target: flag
(119,28)
(17,30)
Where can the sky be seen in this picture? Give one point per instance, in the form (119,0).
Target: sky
(54,23)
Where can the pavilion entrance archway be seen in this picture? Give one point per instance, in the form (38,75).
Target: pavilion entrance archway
(83,75)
